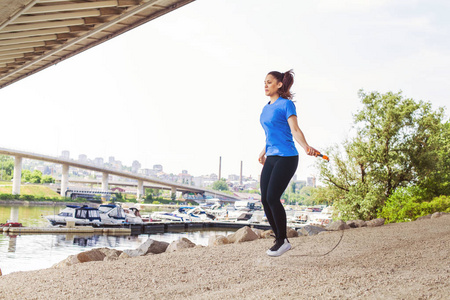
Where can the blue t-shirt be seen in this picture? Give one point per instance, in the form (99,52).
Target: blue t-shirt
(273,119)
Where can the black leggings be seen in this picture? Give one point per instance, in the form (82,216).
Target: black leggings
(275,177)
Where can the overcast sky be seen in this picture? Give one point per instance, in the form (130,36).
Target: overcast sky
(187,88)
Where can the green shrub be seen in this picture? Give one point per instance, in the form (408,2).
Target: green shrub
(27,197)
(408,204)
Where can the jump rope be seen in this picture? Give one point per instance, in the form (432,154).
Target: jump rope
(342,231)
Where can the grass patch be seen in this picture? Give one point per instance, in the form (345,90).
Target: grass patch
(38,191)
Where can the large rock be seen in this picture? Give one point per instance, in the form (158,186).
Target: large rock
(154,247)
(258,232)
(291,232)
(182,243)
(375,222)
(124,255)
(244,234)
(110,254)
(69,261)
(338,225)
(424,217)
(311,230)
(216,240)
(436,215)
(149,247)
(91,255)
(267,234)
(131,253)
(356,223)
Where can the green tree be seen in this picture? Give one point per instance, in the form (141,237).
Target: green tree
(36,176)
(26,175)
(47,179)
(6,167)
(220,185)
(397,143)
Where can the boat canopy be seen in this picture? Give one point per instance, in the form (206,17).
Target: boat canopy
(87,213)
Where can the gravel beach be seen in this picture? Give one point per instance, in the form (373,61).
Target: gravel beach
(394,261)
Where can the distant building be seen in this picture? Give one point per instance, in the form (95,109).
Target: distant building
(147,172)
(111,160)
(185,178)
(233,177)
(65,154)
(98,161)
(135,166)
(82,158)
(311,181)
(117,165)
(158,168)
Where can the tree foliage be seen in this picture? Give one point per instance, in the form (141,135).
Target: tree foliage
(36,177)
(6,167)
(220,185)
(406,204)
(397,142)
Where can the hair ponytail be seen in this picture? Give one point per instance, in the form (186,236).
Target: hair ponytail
(287,79)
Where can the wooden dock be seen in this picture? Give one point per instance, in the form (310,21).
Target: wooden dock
(77,229)
(134,229)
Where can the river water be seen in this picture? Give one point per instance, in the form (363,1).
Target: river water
(27,252)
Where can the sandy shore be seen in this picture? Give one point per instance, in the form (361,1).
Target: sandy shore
(395,261)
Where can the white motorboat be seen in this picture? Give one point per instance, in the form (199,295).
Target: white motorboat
(231,213)
(183,214)
(81,215)
(111,214)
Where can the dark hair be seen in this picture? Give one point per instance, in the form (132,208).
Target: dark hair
(287,79)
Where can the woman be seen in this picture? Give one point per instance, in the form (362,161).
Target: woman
(279,157)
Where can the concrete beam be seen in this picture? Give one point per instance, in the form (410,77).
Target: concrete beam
(64,179)
(17,175)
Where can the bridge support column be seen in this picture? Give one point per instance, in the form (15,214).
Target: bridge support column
(14,216)
(105,179)
(17,175)
(64,179)
(140,189)
(173,193)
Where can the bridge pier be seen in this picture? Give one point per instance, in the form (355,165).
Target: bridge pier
(140,189)
(105,179)
(17,175)
(173,193)
(64,179)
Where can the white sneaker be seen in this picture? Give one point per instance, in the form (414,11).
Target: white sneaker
(281,250)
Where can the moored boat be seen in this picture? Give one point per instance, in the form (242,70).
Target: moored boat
(80,215)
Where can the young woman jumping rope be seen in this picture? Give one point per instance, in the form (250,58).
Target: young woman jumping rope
(279,157)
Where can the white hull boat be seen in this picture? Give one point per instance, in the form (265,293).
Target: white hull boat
(80,215)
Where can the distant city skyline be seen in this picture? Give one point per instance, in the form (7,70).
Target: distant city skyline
(111,160)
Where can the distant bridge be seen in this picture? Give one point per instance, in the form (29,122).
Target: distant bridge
(66,163)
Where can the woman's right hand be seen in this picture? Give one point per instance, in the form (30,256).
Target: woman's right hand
(311,151)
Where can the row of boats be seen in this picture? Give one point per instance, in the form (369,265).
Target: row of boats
(115,214)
